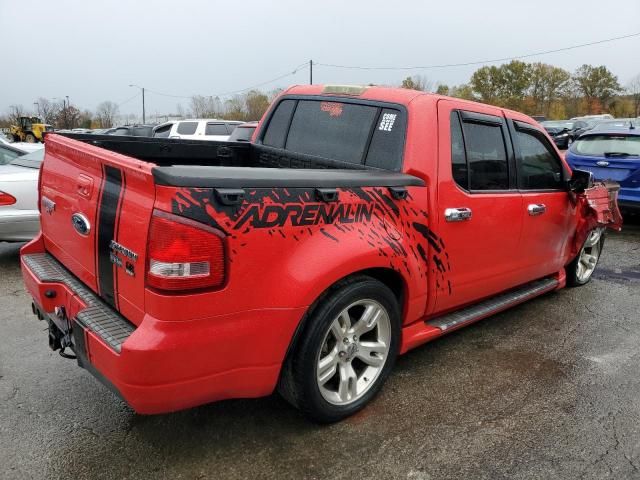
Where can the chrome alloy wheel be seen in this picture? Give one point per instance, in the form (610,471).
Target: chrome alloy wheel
(354,352)
(588,257)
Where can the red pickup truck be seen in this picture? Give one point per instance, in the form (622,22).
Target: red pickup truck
(359,224)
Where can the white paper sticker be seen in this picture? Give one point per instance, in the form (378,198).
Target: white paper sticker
(387,121)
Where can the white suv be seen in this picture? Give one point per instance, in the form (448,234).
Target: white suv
(196,129)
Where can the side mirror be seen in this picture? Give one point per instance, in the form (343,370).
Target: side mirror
(580,181)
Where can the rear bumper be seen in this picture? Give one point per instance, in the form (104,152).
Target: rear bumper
(17,226)
(163,366)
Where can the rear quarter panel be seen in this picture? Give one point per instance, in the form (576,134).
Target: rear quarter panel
(285,247)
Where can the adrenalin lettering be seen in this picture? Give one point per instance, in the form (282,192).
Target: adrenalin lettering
(270,216)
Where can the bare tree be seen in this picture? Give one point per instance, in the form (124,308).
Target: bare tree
(48,111)
(418,82)
(106,114)
(15,112)
(633,89)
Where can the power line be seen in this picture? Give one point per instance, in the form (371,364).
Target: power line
(480,62)
(129,99)
(295,70)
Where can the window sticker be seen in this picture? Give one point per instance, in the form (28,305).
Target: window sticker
(332,108)
(387,121)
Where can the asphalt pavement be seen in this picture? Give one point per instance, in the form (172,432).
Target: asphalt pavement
(549,389)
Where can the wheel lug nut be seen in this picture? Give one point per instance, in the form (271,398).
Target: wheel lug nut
(341,354)
(345,340)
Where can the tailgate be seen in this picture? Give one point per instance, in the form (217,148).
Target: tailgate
(95,211)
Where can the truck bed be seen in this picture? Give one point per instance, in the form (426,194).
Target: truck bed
(197,163)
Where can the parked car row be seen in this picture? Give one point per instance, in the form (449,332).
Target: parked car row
(611,151)
(565,132)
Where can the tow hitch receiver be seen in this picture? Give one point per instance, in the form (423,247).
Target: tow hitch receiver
(59,332)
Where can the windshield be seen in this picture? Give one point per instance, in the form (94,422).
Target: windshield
(30,160)
(608,145)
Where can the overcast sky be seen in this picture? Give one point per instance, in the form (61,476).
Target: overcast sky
(91,51)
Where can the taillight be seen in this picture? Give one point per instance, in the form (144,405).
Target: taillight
(183,254)
(6,199)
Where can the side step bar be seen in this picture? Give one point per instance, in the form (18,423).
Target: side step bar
(493,305)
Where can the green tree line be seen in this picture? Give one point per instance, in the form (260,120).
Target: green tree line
(543,89)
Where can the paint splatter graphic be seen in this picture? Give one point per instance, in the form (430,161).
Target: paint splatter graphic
(393,228)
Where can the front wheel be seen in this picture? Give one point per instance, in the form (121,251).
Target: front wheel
(581,269)
(346,352)
(30,138)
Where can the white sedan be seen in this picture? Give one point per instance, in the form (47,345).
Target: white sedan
(19,215)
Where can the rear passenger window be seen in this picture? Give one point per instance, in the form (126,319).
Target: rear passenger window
(187,128)
(538,168)
(459,168)
(486,156)
(276,133)
(216,129)
(231,127)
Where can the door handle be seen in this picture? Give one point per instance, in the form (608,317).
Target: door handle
(457,214)
(536,209)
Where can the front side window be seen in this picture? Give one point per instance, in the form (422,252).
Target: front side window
(538,168)
(187,128)
(486,156)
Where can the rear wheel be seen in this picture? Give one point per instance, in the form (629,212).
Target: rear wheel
(30,138)
(346,353)
(580,270)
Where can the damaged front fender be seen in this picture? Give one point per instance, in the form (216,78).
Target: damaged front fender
(597,208)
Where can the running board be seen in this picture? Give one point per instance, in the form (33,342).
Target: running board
(493,305)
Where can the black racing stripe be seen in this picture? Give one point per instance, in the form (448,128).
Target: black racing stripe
(107,216)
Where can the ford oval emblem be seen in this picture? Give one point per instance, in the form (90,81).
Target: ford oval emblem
(602,163)
(81,224)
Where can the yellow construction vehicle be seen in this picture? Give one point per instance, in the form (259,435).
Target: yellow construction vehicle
(29,129)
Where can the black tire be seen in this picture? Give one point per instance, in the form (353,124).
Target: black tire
(571,269)
(30,138)
(298,384)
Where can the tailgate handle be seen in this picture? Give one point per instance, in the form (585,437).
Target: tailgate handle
(85,185)
(399,193)
(327,195)
(230,196)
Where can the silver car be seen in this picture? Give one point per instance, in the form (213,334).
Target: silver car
(19,215)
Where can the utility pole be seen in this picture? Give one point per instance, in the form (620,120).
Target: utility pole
(310,72)
(141,88)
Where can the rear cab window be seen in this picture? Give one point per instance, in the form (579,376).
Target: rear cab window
(347,130)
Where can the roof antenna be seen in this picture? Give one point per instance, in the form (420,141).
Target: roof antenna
(631,125)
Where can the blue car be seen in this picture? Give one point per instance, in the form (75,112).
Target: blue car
(611,154)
